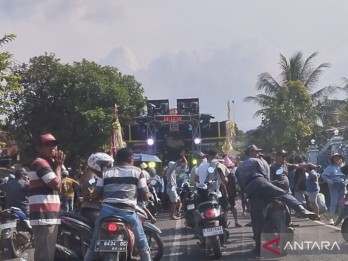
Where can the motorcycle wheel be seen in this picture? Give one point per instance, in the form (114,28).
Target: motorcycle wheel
(67,247)
(15,244)
(215,244)
(344,229)
(155,244)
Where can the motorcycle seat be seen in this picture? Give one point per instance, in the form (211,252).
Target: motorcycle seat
(78,217)
(206,204)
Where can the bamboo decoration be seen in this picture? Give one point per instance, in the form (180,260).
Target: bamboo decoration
(227,147)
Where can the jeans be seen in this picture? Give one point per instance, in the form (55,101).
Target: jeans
(337,191)
(131,217)
(67,203)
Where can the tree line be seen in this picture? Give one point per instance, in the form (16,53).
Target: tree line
(76,102)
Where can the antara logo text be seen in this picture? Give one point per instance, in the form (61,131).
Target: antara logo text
(273,245)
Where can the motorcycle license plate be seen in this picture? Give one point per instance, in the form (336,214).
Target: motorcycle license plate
(190,207)
(8,225)
(213,231)
(111,246)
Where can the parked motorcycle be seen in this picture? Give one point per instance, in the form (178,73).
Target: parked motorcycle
(212,232)
(277,222)
(75,234)
(16,232)
(343,216)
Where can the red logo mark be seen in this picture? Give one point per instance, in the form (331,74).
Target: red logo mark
(274,242)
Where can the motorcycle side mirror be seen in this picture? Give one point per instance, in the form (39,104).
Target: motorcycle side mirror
(280,171)
(211,170)
(92,181)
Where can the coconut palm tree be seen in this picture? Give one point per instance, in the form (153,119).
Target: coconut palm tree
(296,68)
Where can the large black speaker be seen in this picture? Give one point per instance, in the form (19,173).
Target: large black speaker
(187,106)
(157,107)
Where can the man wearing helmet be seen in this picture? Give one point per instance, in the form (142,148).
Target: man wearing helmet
(97,163)
(119,188)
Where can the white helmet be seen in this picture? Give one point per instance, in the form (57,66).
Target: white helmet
(95,160)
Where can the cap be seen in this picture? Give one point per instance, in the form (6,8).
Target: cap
(251,148)
(48,137)
(171,164)
(337,154)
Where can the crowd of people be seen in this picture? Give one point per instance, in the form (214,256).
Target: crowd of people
(46,187)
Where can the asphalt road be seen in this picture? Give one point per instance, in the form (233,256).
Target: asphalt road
(314,240)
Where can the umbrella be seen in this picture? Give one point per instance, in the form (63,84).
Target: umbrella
(146,157)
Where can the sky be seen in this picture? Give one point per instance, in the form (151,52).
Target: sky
(213,50)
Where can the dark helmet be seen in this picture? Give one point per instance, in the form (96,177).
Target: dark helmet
(281,153)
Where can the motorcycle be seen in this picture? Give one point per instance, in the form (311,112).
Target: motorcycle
(75,234)
(154,204)
(116,240)
(212,232)
(343,216)
(188,204)
(277,222)
(16,232)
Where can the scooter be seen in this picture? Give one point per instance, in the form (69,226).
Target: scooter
(212,232)
(277,223)
(116,240)
(16,232)
(188,204)
(343,216)
(75,234)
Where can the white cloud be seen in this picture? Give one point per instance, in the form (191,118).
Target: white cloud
(123,59)
(225,74)
(180,49)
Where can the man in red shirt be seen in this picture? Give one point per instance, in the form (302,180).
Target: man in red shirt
(44,203)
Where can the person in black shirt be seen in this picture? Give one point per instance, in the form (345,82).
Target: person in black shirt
(17,190)
(279,172)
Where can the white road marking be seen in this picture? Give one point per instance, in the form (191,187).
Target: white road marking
(326,225)
(176,244)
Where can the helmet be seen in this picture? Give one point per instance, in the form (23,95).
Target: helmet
(96,159)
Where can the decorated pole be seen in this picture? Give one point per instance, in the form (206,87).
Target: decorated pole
(116,142)
(227,147)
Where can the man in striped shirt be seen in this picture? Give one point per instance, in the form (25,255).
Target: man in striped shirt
(119,190)
(44,202)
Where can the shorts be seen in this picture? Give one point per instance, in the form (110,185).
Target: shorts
(300,196)
(312,196)
(173,195)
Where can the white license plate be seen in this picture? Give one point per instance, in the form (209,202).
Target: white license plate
(213,231)
(8,225)
(190,207)
(111,246)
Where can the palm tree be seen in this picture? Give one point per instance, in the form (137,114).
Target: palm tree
(291,70)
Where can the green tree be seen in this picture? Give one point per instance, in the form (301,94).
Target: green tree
(297,77)
(9,83)
(74,102)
